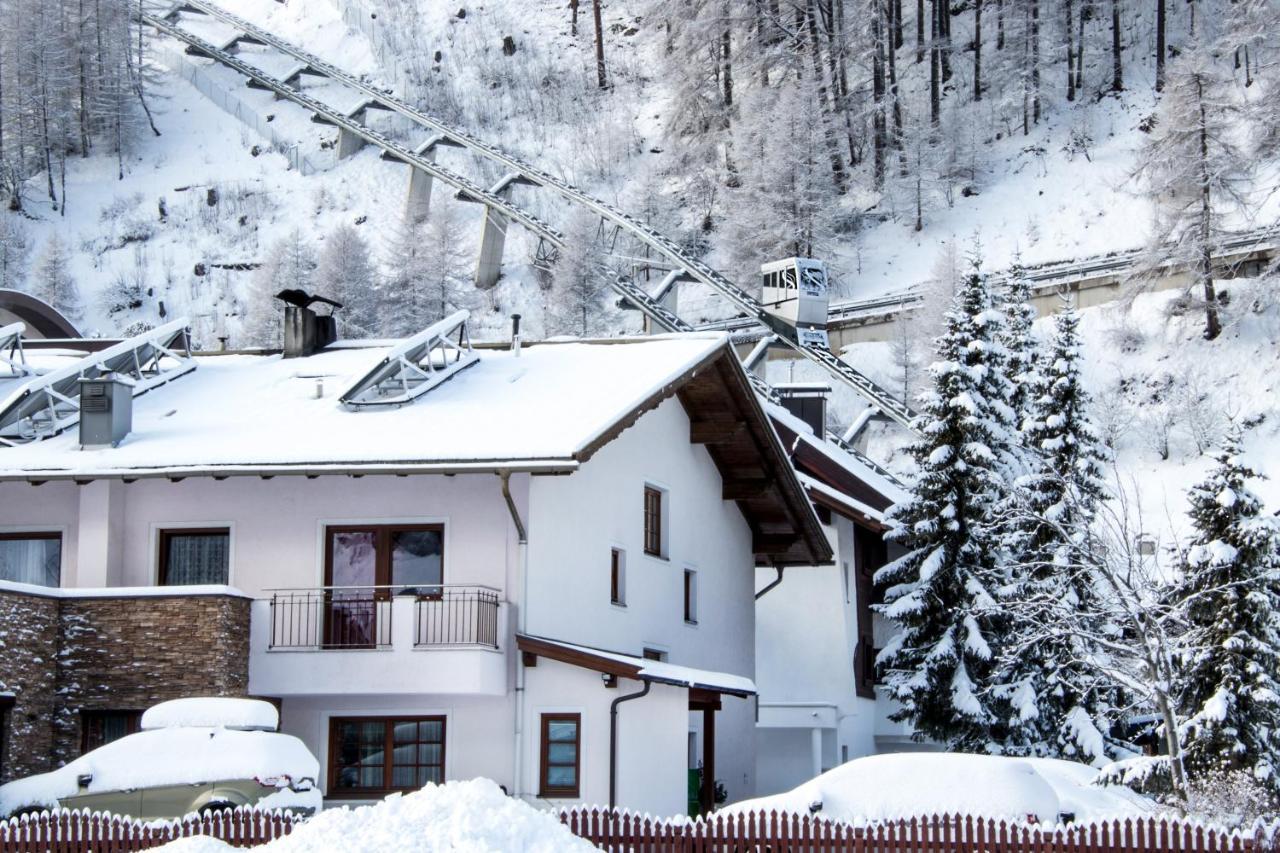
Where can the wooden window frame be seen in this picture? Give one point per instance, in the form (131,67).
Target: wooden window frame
(382,549)
(133,724)
(690,582)
(22,535)
(168,533)
(388,741)
(617,577)
(545,790)
(653,506)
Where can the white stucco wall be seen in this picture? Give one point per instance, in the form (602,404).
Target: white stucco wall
(569,567)
(47,508)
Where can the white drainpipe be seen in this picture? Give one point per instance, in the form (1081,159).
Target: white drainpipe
(522,567)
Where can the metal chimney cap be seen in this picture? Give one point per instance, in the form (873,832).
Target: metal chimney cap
(110,376)
(302,299)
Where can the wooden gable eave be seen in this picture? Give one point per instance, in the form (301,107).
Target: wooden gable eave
(822,468)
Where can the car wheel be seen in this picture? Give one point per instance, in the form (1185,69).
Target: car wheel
(212,808)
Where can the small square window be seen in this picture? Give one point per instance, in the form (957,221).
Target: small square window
(653,654)
(189,556)
(691,596)
(618,577)
(34,558)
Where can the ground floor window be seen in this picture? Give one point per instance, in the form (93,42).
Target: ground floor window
(101,727)
(6,702)
(561,755)
(34,558)
(369,756)
(190,556)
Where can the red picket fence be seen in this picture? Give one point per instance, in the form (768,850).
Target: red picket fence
(621,832)
(66,831)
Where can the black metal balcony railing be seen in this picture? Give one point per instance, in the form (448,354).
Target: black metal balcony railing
(360,617)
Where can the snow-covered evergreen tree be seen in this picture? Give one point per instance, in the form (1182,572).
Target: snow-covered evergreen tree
(942,594)
(1020,342)
(15,250)
(51,279)
(1060,705)
(1229,596)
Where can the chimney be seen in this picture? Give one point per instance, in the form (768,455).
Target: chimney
(106,410)
(808,402)
(515,335)
(305,331)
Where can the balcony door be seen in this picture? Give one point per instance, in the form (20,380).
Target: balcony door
(365,565)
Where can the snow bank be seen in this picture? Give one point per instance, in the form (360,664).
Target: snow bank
(887,787)
(463,817)
(210,711)
(182,756)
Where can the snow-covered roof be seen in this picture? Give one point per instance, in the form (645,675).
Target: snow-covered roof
(120,591)
(638,668)
(241,412)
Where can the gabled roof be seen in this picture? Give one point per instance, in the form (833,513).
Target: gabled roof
(546,411)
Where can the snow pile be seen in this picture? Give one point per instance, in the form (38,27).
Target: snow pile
(210,711)
(179,756)
(466,817)
(889,787)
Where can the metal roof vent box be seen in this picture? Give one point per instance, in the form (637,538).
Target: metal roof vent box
(106,410)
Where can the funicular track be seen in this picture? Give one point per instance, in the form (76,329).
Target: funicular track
(496,199)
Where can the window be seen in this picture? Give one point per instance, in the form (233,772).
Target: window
(561,758)
(691,596)
(371,756)
(653,521)
(653,654)
(98,728)
(618,577)
(191,556)
(34,558)
(409,555)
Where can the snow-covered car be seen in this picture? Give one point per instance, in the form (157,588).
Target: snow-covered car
(906,785)
(191,755)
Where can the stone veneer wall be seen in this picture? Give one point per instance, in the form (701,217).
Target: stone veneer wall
(62,656)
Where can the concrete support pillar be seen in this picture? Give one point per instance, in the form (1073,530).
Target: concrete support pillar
(348,142)
(815,747)
(492,243)
(417,203)
(99,539)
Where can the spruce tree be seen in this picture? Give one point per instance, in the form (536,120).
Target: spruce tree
(1229,595)
(1020,342)
(942,592)
(1057,704)
(52,281)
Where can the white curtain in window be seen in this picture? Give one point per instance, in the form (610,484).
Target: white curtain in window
(34,561)
(198,559)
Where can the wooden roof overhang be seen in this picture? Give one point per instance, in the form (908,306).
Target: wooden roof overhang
(535,647)
(725,417)
(824,469)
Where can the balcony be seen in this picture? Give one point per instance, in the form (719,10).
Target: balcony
(378,639)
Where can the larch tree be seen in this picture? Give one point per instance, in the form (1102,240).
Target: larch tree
(15,251)
(446,263)
(576,304)
(345,272)
(1193,170)
(942,594)
(52,281)
(1228,594)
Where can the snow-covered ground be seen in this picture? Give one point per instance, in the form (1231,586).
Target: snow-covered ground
(459,817)
(905,785)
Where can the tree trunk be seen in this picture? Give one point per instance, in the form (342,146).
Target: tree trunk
(601,79)
(1117,68)
(815,50)
(897,24)
(977,50)
(1162,23)
(919,31)
(935,68)
(999,24)
(726,67)
(1035,61)
(878,121)
(1086,7)
(1071,54)
(1213,324)
(573,18)
(944,30)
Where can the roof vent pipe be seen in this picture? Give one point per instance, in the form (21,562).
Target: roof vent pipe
(515,335)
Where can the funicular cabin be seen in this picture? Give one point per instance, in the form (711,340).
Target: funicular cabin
(795,290)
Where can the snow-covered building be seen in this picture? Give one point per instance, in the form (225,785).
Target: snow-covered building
(819,705)
(530,564)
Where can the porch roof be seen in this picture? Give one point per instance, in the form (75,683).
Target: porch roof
(636,668)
